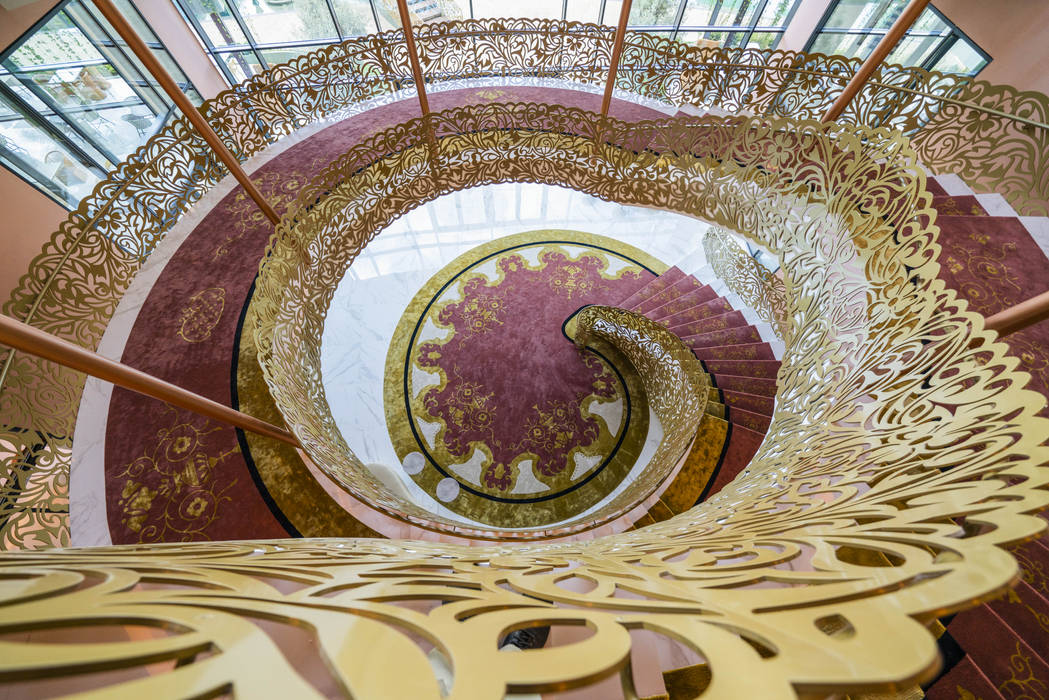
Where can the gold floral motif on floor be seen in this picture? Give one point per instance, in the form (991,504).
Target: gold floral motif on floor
(491,408)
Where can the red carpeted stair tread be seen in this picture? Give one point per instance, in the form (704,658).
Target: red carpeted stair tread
(754,403)
(961,205)
(740,335)
(749,351)
(743,443)
(731,319)
(655,286)
(1033,558)
(997,650)
(682,287)
(748,419)
(758,369)
(1026,613)
(747,385)
(714,307)
(693,297)
(965,680)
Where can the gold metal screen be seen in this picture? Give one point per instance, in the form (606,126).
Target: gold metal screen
(901,427)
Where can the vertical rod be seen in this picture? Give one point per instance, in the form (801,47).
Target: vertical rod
(139,48)
(22,336)
(1024,314)
(617,51)
(413,55)
(888,42)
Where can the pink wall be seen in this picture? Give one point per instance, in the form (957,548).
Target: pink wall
(803,24)
(14,22)
(29,218)
(183,45)
(1015,33)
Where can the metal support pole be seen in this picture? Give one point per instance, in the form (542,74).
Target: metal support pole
(888,42)
(413,55)
(617,51)
(139,48)
(22,336)
(1016,318)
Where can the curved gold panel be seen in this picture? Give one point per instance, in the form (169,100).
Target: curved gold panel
(902,428)
(751,281)
(990,135)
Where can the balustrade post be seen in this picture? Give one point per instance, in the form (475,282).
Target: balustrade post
(22,336)
(888,42)
(413,55)
(617,51)
(1016,318)
(167,83)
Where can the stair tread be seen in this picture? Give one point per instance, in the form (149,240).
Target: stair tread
(967,676)
(738,335)
(653,287)
(729,319)
(958,205)
(755,403)
(749,419)
(758,386)
(746,351)
(742,444)
(715,307)
(693,297)
(757,369)
(679,288)
(994,646)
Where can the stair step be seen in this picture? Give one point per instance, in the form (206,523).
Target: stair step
(749,351)
(746,385)
(739,335)
(700,464)
(682,287)
(655,286)
(758,369)
(716,409)
(731,319)
(1026,612)
(1033,558)
(965,676)
(742,445)
(714,307)
(994,647)
(962,205)
(693,297)
(748,419)
(687,682)
(763,405)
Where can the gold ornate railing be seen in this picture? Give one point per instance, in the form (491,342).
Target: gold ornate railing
(760,289)
(993,136)
(919,417)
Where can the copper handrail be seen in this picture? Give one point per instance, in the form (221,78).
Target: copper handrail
(23,337)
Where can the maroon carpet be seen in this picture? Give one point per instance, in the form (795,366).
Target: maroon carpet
(171,475)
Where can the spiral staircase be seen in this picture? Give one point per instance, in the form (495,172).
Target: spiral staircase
(868,523)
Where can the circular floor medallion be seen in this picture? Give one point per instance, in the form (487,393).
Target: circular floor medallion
(491,408)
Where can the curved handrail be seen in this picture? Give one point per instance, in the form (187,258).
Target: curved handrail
(73,287)
(896,414)
(759,288)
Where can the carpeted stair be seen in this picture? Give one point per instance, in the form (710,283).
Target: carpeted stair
(741,364)
(999,650)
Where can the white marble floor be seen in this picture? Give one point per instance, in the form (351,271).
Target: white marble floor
(372,297)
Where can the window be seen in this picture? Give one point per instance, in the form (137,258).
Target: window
(248,36)
(854,27)
(74,102)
